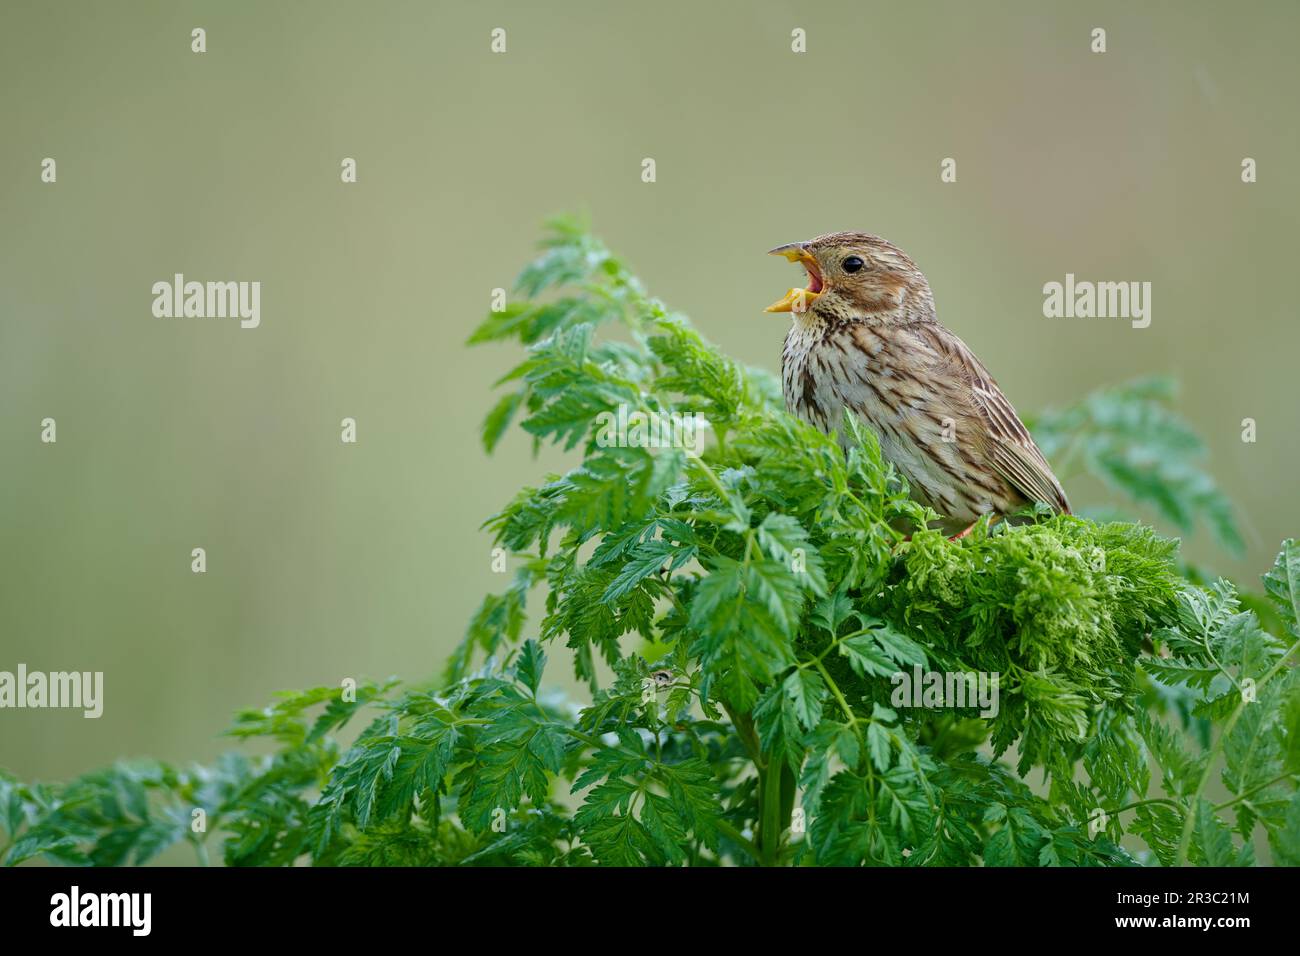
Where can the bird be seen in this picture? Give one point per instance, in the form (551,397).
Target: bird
(865,336)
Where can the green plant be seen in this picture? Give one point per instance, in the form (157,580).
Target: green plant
(739,617)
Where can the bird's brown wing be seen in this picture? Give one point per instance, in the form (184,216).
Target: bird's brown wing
(1012,452)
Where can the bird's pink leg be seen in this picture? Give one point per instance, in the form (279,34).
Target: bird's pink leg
(962,534)
(992,521)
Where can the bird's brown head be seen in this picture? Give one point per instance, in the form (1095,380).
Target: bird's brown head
(855,275)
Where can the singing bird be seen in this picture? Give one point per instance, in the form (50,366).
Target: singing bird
(865,336)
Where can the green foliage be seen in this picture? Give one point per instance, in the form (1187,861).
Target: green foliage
(743,618)
(1130,438)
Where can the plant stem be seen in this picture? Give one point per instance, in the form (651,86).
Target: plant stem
(735,836)
(587,739)
(745,731)
(1143,803)
(1189,822)
(789,784)
(1254,790)
(769,833)
(710,474)
(839,696)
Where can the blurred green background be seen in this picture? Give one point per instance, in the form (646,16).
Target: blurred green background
(328,560)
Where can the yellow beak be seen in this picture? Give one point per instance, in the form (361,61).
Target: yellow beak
(796,300)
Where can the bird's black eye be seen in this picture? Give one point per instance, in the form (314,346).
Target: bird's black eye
(852,264)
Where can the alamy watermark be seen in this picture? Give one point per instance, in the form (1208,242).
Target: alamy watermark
(208,300)
(633,428)
(57,689)
(75,908)
(941,689)
(1101,300)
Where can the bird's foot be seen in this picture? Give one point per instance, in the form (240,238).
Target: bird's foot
(955,537)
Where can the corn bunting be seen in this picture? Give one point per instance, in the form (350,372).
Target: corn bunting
(865,336)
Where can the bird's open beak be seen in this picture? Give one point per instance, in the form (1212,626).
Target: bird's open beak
(798,300)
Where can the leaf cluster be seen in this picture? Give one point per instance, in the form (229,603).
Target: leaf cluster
(744,616)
